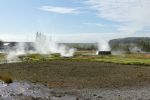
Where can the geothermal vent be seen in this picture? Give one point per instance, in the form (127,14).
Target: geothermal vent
(103,53)
(103,48)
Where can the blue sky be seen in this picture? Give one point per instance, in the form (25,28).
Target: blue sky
(74,20)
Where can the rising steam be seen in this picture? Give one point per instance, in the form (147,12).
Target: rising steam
(45,45)
(103,46)
(41,45)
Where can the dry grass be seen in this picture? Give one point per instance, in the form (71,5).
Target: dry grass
(6,79)
(78,74)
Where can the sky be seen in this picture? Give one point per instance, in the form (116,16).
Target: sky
(74,20)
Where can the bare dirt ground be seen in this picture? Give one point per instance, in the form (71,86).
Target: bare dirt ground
(78,74)
(86,80)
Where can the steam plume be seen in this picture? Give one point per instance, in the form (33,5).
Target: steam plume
(42,45)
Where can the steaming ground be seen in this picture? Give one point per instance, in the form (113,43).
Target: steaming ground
(41,45)
(51,79)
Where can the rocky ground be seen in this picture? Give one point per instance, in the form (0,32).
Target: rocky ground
(31,91)
(75,80)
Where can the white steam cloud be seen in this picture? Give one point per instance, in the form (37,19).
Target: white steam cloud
(103,46)
(45,45)
(42,45)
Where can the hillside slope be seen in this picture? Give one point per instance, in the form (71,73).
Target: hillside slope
(131,44)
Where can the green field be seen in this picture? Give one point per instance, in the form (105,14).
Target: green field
(125,59)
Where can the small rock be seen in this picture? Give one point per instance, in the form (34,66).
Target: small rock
(99,97)
(94,95)
(12,94)
(57,95)
(20,94)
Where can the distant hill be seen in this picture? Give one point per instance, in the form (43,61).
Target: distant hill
(82,46)
(131,44)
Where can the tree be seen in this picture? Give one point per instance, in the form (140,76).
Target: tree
(1,43)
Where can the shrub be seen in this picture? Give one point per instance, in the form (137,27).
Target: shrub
(6,79)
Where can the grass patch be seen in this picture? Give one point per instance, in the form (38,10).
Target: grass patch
(127,59)
(130,59)
(78,74)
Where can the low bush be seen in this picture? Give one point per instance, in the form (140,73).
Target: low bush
(6,79)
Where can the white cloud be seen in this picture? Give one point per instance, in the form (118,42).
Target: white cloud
(134,15)
(60,10)
(94,24)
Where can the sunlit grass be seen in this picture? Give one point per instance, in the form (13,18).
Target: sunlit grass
(127,59)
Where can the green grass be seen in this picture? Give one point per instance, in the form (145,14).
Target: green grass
(2,57)
(127,59)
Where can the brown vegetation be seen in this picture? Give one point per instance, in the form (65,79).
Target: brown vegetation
(6,79)
(78,74)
